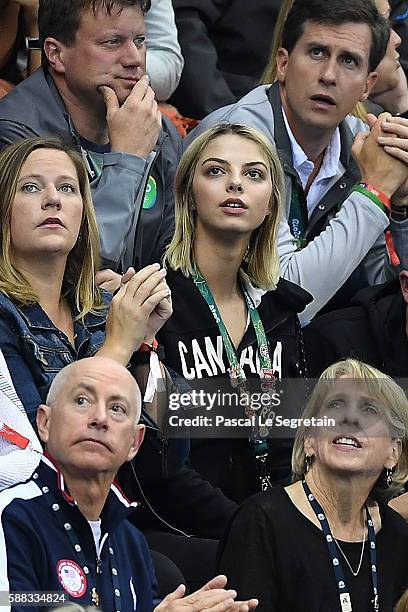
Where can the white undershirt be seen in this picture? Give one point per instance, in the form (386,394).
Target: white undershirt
(96,532)
(330,170)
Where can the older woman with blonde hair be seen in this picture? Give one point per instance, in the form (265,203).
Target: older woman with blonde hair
(233,318)
(327,542)
(51,310)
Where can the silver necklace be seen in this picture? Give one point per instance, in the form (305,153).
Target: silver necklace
(355,573)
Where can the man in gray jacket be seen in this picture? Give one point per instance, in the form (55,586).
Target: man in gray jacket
(326,65)
(92,89)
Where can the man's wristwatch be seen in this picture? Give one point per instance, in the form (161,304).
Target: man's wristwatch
(32,44)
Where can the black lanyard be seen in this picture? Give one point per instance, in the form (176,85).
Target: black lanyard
(344,595)
(67,527)
(298,216)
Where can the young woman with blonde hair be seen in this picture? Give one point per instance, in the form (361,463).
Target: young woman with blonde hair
(232,316)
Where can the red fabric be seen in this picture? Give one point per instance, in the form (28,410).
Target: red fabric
(5,87)
(183,124)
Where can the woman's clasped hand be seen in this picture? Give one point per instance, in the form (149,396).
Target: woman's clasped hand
(138,310)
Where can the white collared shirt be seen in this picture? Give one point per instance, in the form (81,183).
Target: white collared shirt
(329,172)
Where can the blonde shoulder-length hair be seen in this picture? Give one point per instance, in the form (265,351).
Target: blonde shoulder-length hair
(261,259)
(392,406)
(83,260)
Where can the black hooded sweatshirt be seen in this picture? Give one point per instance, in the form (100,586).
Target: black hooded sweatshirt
(372,329)
(190,339)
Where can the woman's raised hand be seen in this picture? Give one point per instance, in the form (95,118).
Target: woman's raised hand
(160,314)
(138,310)
(111,281)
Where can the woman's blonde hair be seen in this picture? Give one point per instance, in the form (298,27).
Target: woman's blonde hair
(270,74)
(83,260)
(392,405)
(262,259)
(402,605)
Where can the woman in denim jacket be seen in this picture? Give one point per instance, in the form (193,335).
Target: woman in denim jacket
(53,313)
(51,310)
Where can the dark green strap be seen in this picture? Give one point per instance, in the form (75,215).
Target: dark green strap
(263,348)
(235,370)
(298,216)
(237,373)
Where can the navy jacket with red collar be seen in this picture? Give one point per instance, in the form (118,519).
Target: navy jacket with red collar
(46,544)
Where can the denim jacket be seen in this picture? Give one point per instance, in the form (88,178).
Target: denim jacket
(35,350)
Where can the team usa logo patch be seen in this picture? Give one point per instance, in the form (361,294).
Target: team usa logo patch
(72,577)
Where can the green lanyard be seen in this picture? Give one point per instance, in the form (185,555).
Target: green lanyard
(237,373)
(235,370)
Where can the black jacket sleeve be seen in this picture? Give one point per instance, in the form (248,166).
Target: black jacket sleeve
(246,556)
(174,150)
(25,559)
(191,504)
(202,86)
(319,350)
(173,496)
